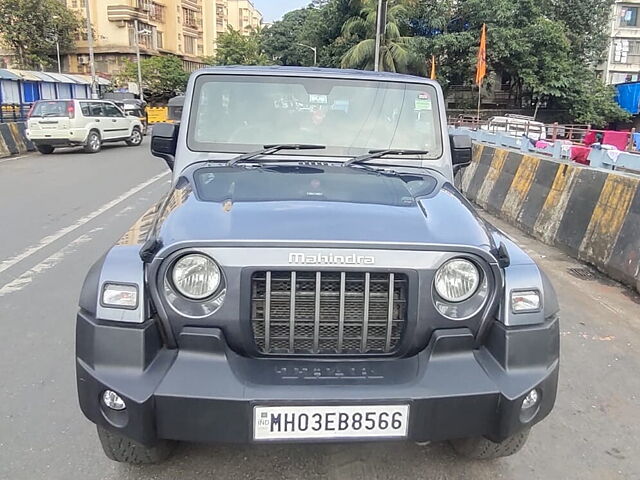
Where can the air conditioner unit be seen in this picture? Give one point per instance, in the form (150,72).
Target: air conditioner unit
(83,59)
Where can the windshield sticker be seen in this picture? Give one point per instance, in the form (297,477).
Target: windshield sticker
(423,102)
(318,99)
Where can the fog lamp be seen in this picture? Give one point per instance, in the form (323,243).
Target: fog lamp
(113,401)
(531,400)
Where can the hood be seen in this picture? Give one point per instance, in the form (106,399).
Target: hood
(443,218)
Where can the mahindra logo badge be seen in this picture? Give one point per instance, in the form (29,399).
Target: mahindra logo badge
(330,259)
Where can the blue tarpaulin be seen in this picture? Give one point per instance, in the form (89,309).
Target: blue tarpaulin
(628,97)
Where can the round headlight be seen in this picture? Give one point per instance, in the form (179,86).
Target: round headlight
(196,276)
(457,280)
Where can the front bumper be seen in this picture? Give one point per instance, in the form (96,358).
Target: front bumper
(205,392)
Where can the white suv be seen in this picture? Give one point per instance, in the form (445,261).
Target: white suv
(89,123)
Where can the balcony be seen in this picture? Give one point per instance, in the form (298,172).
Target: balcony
(120,13)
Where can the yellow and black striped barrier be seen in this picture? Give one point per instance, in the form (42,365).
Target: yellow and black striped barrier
(593,215)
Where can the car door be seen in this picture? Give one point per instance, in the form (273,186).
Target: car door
(117,122)
(94,116)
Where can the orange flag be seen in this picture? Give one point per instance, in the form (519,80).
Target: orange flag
(481,70)
(433,67)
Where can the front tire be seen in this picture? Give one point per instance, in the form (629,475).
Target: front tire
(94,142)
(481,448)
(136,138)
(45,149)
(124,450)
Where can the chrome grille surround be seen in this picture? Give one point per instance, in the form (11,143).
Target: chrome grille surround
(328,312)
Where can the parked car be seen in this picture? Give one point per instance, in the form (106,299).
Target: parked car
(517,126)
(87,123)
(312,277)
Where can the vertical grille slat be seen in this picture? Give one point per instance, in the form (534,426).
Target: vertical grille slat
(343,286)
(328,312)
(316,320)
(365,320)
(392,280)
(267,312)
(292,312)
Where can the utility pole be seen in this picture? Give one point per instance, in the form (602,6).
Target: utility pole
(55,17)
(94,90)
(136,39)
(315,53)
(58,53)
(380,28)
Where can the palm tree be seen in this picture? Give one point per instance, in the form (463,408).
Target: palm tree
(395,54)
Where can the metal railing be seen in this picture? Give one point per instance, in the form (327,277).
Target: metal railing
(14,112)
(522,127)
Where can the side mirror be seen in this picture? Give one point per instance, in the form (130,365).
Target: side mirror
(164,142)
(461,151)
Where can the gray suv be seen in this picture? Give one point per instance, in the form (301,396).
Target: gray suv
(314,275)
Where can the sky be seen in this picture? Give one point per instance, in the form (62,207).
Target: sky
(274,9)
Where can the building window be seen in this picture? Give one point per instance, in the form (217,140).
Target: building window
(157,13)
(144,39)
(143,5)
(160,40)
(629,17)
(189,45)
(189,18)
(626,52)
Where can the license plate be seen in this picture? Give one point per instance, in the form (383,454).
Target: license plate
(330,422)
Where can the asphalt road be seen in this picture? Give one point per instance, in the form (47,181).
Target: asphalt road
(59,213)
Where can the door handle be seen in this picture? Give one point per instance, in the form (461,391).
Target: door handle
(114,120)
(98,121)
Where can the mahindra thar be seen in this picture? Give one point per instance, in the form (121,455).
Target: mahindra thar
(313,275)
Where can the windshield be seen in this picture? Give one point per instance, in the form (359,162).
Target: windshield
(310,183)
(240,114)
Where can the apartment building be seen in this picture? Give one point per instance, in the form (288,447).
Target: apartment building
(219,15)
(623,57)
(186,28)
(164,26)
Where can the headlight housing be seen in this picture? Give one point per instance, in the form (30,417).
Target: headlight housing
(457,280)
(196,276)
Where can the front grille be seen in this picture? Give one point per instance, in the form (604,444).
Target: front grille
(325,313)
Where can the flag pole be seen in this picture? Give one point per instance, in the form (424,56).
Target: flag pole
(479,100)
(481,69)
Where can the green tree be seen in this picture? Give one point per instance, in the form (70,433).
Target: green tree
(163,77)
(31,27)
(281,41)
(237,49)
(547,48)
(590,101)
(396,54)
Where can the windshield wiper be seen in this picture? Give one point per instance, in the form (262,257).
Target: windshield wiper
(271,149)
(382,153)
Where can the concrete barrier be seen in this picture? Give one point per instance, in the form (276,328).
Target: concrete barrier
(593,215)
(13,140)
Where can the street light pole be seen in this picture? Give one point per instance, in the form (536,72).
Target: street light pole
(315,53)
(136,39)
(379,35)
(56,17)
(58,53)
(94,91)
